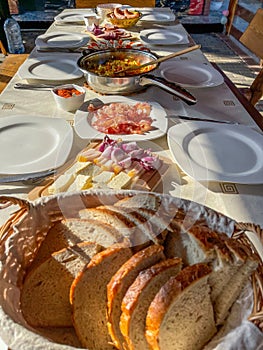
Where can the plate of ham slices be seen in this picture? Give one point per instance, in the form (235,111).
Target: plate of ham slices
(120,116)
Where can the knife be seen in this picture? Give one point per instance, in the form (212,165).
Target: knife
(186,117)
(60,49)
(28,177)
(33,86)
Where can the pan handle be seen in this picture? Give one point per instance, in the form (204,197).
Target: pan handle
(172,88)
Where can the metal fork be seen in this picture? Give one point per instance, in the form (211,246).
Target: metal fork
(27,179)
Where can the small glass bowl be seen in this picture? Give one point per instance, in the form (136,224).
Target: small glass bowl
(71,101)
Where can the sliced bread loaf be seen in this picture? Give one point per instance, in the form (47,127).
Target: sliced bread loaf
(45,292)
(231,265)
(89,297)
(138,298)
(181,314)
(121,281)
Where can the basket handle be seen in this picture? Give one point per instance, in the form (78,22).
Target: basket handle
(5,202)
(251,236)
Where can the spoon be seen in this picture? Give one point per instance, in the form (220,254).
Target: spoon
(159,60)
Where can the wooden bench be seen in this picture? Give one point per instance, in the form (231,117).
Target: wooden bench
(9,66)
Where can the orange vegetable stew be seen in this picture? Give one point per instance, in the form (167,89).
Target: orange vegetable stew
(67,92)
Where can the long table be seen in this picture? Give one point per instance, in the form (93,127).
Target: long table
(241,202)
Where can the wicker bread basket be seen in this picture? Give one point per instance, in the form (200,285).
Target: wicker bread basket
(22,234)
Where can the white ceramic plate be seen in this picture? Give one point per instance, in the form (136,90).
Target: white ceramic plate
(61,40)
(157,15)
(163,37)
(30,144)
(51,68)
(218,152)
(72,16)
(191,74)
(82,121)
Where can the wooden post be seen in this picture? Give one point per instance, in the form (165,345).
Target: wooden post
(232,9)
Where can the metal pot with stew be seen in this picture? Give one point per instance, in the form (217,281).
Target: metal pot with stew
(102,70)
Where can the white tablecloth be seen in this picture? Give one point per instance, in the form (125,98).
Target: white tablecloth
(244,203)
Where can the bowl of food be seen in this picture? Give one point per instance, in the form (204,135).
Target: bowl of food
(104,9)
(124,18)
(69,97)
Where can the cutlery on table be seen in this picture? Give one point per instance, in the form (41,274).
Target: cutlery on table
(159,60)
(61,49)
(186,117)
(29,178)
(33,86)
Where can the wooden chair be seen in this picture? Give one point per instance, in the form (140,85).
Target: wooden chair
(252,39)
(94,3)
(9,66)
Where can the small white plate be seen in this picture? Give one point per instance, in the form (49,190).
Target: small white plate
(191,74)
(50,68)
(157,15)
(163,37)
(218,152)
(82,121)
(30,143)
(72,16)
(61,40)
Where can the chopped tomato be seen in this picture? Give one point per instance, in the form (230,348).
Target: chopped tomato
(69,92)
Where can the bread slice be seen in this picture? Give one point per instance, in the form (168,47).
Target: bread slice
(54,241)
(121,281)
(89,294)
(181,314)
(143,234)
(115,218)
(45,292)
(159,223)
(94,231)
(138,298)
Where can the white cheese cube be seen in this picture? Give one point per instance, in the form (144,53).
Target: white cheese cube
(122,180)
(61,184)
(81,182)
(103,177)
